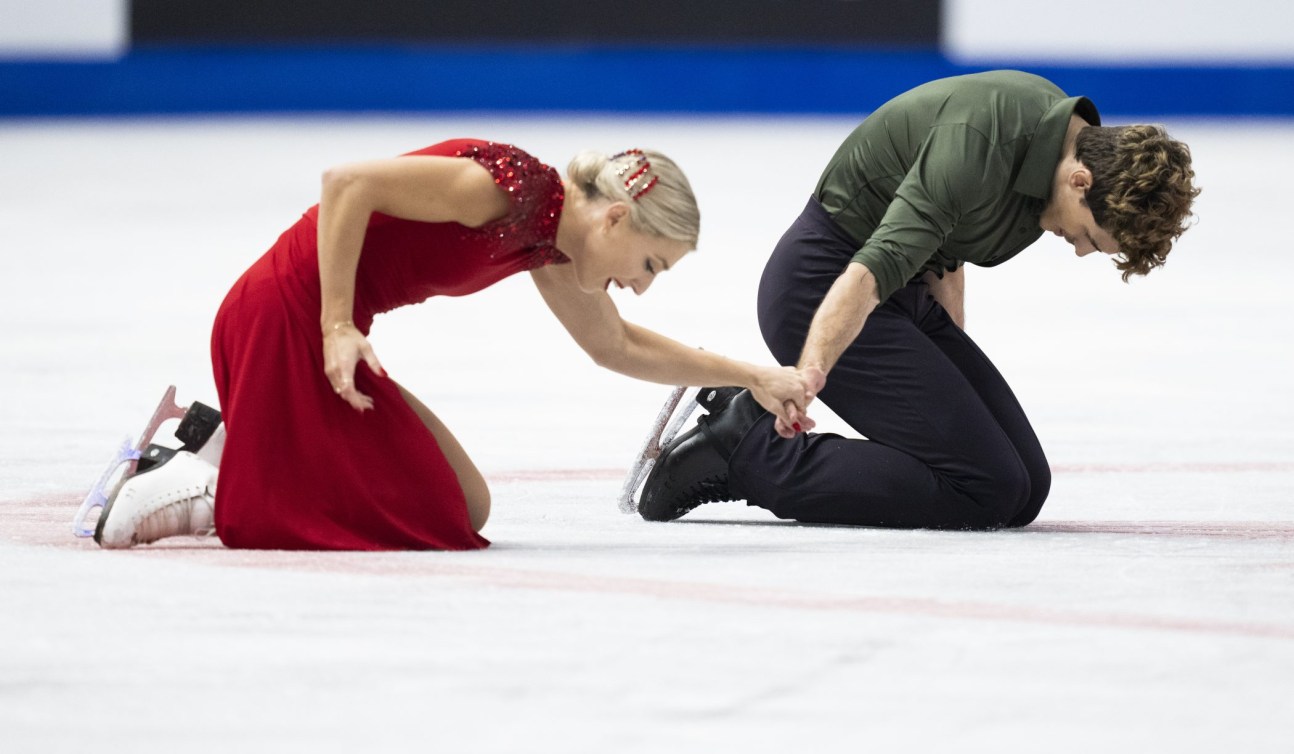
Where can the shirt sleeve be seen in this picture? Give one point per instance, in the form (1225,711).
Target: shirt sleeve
(956,170)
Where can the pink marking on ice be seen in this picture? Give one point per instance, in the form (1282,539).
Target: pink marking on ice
(457,567)
(1204,467)
(1243,530)
(43,520)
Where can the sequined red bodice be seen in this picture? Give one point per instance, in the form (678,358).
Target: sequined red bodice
(405,262)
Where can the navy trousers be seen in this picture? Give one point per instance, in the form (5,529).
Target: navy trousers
(948,446)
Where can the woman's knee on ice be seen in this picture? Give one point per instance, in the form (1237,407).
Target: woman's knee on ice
(477,495)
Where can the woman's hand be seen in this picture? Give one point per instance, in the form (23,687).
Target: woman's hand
(416,187)
(343,347)
(786,393)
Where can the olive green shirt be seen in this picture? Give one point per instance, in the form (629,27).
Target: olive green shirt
(956,170)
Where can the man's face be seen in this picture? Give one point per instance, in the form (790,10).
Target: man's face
(1068,215)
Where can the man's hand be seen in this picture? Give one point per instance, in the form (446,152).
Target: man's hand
(784,392)
(797,420)
(836,324)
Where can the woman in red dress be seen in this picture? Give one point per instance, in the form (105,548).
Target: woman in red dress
(322,449)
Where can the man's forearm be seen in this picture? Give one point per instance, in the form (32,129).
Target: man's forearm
(840,317)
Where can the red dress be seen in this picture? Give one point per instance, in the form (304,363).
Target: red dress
(301,469)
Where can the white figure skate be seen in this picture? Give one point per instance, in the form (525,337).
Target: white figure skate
(199,430)
(173,499)
(680,405)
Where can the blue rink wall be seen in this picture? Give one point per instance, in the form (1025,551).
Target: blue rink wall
(683,79)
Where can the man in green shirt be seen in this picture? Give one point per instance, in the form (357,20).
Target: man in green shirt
(865,292)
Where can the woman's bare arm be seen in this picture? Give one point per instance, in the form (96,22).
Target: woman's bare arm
(595,324)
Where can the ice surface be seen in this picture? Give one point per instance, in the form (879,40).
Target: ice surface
(1151,608)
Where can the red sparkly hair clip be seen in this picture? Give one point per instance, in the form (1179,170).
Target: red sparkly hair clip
(640,179)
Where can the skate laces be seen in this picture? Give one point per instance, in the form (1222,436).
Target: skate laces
(175,517)
(709,490)
(712,490)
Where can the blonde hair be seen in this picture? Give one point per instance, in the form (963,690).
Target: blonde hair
(667,210)
(1142,190)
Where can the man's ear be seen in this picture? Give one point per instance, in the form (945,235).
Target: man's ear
(1081,178)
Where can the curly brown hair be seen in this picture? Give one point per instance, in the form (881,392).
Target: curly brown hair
(1141,193)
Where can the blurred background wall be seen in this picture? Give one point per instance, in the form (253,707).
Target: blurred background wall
(104,57)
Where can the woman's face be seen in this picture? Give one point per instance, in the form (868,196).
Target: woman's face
(617,255)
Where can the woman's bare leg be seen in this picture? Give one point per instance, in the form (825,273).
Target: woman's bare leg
(469,477)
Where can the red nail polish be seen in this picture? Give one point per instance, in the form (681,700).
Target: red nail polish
(797,426)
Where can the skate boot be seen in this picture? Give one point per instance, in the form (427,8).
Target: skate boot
(200,433)
(172,497)
(693,468)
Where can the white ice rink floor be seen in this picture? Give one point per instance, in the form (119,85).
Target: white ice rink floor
(1150,608)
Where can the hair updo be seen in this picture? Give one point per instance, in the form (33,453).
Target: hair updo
(667,210)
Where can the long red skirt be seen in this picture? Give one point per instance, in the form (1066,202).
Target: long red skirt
(301,469)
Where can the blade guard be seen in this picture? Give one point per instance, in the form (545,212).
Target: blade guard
(99,495)
(662,432)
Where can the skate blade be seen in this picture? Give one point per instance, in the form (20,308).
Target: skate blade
(122,466)
(662,432)
(98,496)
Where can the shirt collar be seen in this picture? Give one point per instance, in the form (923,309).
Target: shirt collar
(1044,155)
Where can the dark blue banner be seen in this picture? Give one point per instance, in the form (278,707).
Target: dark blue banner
(690,80)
